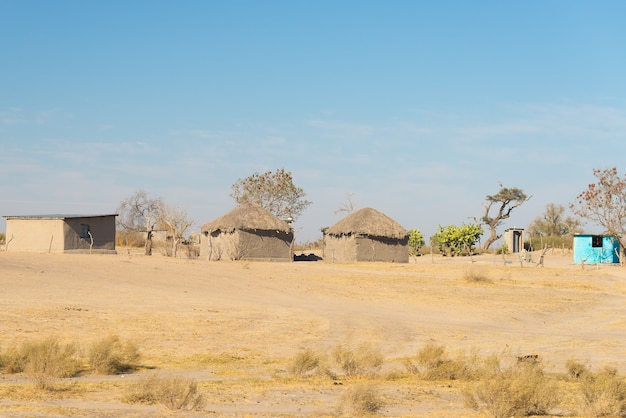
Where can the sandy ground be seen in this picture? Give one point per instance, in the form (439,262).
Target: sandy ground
(233,326)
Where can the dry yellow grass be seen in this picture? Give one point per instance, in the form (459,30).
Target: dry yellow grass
(233,327)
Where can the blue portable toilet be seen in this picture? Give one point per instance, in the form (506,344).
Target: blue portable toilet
(595,249)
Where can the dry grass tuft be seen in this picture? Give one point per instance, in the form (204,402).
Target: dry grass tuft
(361,399)
(519,390)
(364,360)
(173,392)
(110,355)
(304,363)
(476,276)
(42,361)
(433,363)
(604,393)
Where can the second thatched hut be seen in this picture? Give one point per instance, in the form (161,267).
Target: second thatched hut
(366,235)
(248,232)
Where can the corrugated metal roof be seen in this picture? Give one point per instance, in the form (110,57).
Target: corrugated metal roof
(55,216)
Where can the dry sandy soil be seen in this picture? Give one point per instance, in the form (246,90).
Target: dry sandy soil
(234,326)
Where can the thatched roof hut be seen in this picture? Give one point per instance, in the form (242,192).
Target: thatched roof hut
(366,235)
(247,232)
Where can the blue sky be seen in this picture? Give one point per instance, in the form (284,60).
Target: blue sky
(416,108)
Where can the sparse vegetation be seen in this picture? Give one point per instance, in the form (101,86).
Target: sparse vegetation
(604,393)
(519,390)
(476,276)
(361,399)
(360,361)
(433,363)
(247,375)
(110,355)
(173,392)
(304,363)
(42,361)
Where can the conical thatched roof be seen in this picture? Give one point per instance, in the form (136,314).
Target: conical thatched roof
(248,216)
(370,222)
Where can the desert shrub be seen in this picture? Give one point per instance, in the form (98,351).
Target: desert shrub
(42,360)
(361,399)
(304,363)
(110,355)
(519,390)
(173,392)
(124,238)
(362,360)
(433,363)
(476,276)
(604,393)
(575,369)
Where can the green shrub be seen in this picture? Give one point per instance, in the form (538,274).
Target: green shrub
(111,356)
(519,390)
(361,399)
(604,393)
(304,363)
(173,392)
(362,360)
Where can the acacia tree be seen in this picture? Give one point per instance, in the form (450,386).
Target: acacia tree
(505,201)
(140,213)
(553,223)
(604,203)
(177,223)
(273,191)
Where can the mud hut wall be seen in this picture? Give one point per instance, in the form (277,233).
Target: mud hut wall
(219,245)
(38,235)
(381,249)
(265,245)
(339,248)
(102,230)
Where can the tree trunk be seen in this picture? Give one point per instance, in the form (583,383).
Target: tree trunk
(149,244)
(493,237)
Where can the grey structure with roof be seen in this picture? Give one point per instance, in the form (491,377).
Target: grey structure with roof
(61,233)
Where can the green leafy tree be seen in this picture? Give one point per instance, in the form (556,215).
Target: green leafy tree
(416,241)
(273,191)
(505,201)
(604,203)
(457,240)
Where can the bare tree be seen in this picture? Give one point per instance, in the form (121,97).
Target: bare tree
(604,203)
(348,207)
(553,223)
(140,213)
(177,223)
(273,191)
(505,200)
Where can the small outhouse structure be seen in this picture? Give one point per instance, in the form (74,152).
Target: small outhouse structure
(514,239)
(366,235)
(595,249)
(61,233)
(248,232)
